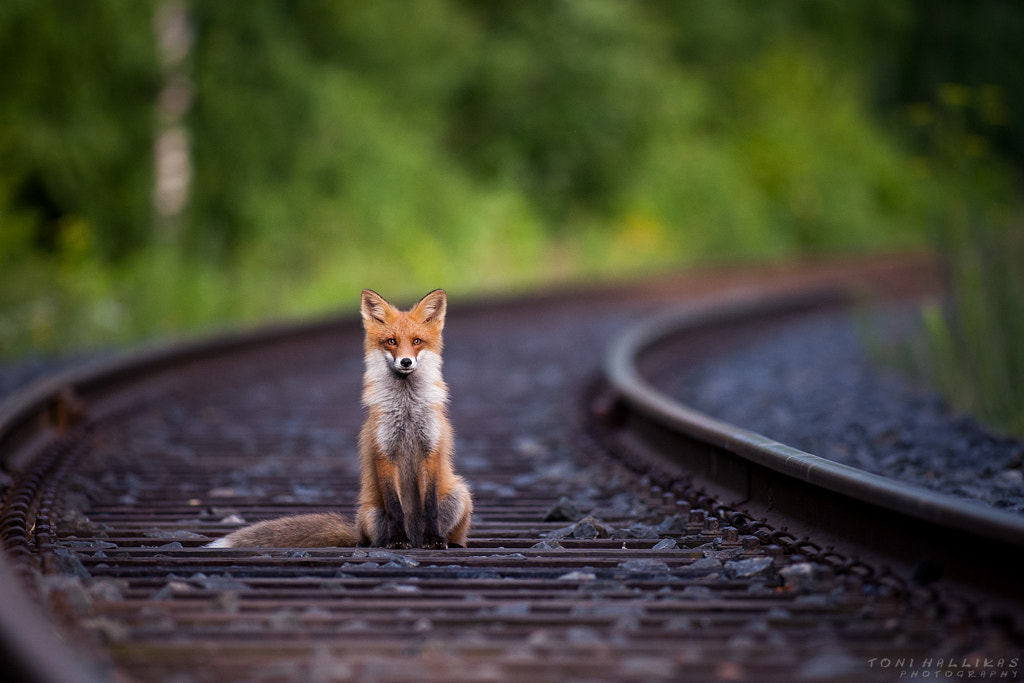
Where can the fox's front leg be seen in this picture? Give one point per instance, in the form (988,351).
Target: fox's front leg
(394,517)
(432,537)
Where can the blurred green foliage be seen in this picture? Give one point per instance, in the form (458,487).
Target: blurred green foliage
(78,87)
(973,351)
(478,145)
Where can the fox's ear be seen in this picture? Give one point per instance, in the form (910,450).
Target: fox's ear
(374,308)
(431,308)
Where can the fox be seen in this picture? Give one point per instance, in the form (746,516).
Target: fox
(409,493)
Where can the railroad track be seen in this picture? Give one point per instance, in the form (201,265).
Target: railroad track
(592,556)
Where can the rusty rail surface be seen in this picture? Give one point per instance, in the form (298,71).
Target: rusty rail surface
(588,560)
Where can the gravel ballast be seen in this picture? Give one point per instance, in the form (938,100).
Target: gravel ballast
(813,386)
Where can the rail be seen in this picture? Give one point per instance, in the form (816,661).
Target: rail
(906,523)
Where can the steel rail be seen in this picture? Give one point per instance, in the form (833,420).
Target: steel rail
(30,650)
(919,530)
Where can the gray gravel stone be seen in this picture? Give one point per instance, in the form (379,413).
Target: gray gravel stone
(644,565)
(755,567)
(586,528)
(637,531)
(563,511)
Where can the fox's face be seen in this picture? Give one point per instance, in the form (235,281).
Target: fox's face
(400,338)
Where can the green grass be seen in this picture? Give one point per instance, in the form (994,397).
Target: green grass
(974,350)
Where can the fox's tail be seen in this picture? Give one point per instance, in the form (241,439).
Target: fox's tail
(316,530)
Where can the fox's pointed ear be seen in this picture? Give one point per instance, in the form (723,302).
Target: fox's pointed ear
(431,308)
(374,308)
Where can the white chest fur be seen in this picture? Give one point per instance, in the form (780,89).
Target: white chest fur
(409,406)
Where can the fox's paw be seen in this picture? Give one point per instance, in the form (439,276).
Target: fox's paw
(435,543)
(399,542)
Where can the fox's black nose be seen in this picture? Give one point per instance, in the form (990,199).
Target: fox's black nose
(406,362)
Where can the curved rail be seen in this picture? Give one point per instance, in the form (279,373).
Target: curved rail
(907,523)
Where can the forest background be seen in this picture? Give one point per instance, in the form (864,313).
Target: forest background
(174,166)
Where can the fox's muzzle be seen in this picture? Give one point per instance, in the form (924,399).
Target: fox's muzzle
(403,365)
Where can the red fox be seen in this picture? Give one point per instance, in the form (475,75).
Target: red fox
(409,493)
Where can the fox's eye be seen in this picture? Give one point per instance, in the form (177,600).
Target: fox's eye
(417,341)
(392,342)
